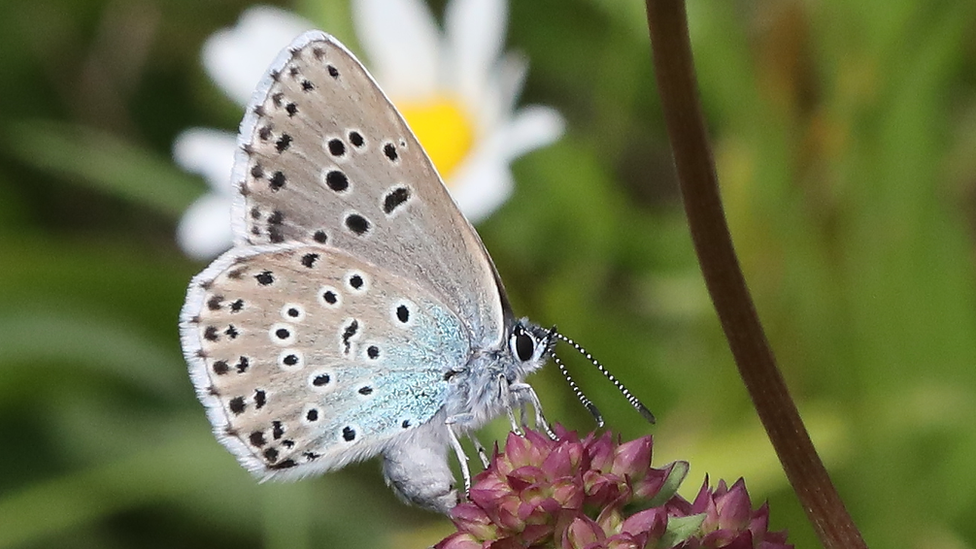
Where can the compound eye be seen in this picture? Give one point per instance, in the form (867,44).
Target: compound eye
(523,344)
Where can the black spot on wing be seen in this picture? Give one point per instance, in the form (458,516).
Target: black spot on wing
(395,198)
(357,224)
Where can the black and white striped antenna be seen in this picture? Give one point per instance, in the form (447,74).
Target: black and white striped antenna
(637,404)
(579,393)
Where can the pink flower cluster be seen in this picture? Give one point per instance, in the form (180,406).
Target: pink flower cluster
(596,493)
(728,519)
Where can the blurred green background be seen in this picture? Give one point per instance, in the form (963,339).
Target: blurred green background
(845,138)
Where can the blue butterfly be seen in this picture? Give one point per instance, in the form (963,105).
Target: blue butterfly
(358,313)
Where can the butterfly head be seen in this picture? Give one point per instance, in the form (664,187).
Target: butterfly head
(531,344)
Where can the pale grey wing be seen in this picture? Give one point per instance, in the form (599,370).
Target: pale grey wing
(307,358)
(325,158)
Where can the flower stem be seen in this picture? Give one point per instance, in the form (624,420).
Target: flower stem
(674,68)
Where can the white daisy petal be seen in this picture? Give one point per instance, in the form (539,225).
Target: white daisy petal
(475,31)
(237,58)
(205,229)
(512,71)
(481,186)
(403,44)
(494,106)
(209,153)
(532,127)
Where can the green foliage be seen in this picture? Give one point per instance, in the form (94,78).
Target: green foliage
(843,134)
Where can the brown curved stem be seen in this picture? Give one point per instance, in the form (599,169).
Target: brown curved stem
(674,67)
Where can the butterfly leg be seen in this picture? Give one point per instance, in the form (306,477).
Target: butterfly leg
(524,392)
(462,457)
(505,395)
(481,450)
(516,428)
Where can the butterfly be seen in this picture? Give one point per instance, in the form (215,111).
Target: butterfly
(358,313)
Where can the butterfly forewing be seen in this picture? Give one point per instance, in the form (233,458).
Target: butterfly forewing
(295,348)
(326,159)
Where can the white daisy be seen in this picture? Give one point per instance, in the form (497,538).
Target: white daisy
(457,92)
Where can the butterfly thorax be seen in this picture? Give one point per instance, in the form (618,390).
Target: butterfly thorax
(491,382)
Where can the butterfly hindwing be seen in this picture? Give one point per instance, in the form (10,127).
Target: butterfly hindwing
(325,158)
(308,358)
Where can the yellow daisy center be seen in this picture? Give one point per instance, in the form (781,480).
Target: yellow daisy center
(443,129)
